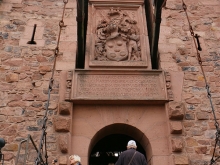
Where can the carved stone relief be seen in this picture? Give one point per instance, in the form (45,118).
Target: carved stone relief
(117,37)
(168,85)
(68,84)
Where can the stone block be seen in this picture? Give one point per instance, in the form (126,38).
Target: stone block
(64,108)
(167,48)
(5,7)
(176,127)
(3,126)
(8,156)
(191,142)
(180,160)
(13,77)
(176,110)
(199,162)
(177,144)
(12,1)
(61,124)
(63,143)
(15,62)
(44,69)
(11,147)
(65,65)
(201,149)
(68,46)
(202,115)
(169,66)
(52,105)
(63,160)
(193,101)
(190,116)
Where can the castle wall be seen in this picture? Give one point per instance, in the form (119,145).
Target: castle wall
(186,122)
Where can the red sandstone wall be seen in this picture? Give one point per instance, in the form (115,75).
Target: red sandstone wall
(25,71)
(178,56)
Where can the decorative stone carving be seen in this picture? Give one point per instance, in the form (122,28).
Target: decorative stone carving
(168,85)
(117,37)
(177,144)
(176,110)
(68,84)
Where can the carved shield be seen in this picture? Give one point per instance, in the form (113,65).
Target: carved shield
(116,49)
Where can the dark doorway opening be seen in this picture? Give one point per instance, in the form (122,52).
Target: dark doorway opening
(108,149)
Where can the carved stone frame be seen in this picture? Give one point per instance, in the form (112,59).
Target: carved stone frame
(94,17)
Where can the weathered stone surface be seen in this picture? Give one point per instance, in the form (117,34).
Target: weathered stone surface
(61,124)
(2,118)
(176,110)
(63,160)
(204,142)
(14,62)
(65,107)
(11,147)
(190,116)
(16,119)
(10,131)
(196,131)
(176,127)
(51,146)
(18,104)
(8,156)
(177,144)
(199,162)
(210,134)
(202,115)
(52,105)
(181,160)
(191,142)
(193,101)
(12,77)
(4,126)
(44,69)
(28,97)
(63,143)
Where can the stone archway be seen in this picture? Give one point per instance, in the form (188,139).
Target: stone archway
(147,124)
(116,136)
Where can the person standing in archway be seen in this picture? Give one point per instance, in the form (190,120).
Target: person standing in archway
(131,156)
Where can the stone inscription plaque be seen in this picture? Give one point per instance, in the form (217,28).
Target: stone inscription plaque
(119,86)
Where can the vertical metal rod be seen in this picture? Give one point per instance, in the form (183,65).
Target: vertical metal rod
(32,38)
(198,43)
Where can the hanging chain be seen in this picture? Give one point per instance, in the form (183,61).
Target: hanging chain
(195,38)
(42,144)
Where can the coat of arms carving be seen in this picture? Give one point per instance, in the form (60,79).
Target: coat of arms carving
(117,37)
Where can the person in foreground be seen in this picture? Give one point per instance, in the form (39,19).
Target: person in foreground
(74,160)
(131,156)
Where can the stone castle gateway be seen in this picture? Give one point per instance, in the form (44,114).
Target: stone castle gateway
(125,70)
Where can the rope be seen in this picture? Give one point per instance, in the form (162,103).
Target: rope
(213,159)
(42,144)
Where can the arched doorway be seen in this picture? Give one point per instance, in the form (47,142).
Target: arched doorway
(110,141)
(107,150)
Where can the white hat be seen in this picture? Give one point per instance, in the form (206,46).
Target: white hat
(132,143)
